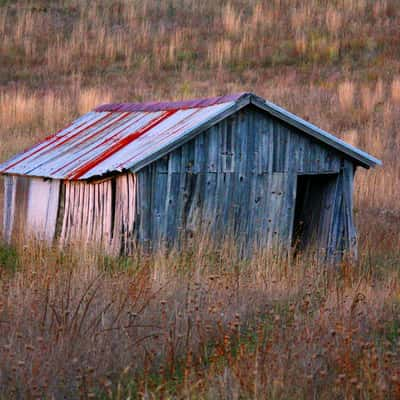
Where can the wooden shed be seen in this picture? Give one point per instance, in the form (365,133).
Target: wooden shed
(150,173)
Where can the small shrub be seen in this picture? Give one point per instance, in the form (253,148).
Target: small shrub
(8,257)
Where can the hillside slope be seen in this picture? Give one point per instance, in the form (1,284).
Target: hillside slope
(202,323)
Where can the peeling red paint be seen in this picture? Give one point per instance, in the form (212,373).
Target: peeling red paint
(81,150)
(182,123)
(53,141)
(96,133)
(119,145)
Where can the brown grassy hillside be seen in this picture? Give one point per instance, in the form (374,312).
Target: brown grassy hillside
(202,323)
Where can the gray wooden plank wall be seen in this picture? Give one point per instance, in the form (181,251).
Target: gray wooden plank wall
(8,206)
(238,178)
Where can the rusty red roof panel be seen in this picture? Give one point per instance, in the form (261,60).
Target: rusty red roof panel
(114,137)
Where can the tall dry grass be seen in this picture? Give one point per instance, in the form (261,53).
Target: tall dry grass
(202,323)
(27,116)
(196,323)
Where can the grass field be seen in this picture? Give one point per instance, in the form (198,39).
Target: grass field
(202,323)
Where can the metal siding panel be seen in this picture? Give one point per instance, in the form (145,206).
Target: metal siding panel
(43,202)
(21,205)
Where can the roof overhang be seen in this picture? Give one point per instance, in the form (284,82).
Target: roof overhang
(364,159)
(358,156)
(130,136)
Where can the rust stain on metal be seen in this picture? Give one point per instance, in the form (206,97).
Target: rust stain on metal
(48,142)
(96,133)
(114,137)
(119,145)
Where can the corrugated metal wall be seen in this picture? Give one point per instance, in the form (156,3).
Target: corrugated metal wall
(30,207)
(100,214)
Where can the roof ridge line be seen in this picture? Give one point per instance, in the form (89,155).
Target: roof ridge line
(171,105)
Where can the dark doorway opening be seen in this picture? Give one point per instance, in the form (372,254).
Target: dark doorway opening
(313,213)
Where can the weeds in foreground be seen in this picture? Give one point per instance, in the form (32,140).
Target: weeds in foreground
(8,258)
(180,326)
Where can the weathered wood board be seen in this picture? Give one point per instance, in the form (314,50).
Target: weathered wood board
(100,213)
(10,186)
(239,179)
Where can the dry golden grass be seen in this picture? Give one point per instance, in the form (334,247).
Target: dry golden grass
(197,323)
(202,323)
(27,116)
(346,93)
(396,90)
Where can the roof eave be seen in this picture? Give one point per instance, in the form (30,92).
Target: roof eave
(362,158)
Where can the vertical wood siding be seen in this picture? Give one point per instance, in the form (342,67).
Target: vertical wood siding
(239,179)
(10,186)
(124,214)
(99,213)
(87,213)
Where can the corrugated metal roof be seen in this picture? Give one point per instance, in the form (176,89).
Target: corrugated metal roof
(116,137)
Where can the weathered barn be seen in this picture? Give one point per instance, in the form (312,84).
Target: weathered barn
(151,173)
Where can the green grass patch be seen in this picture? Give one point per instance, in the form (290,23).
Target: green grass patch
(8,258)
